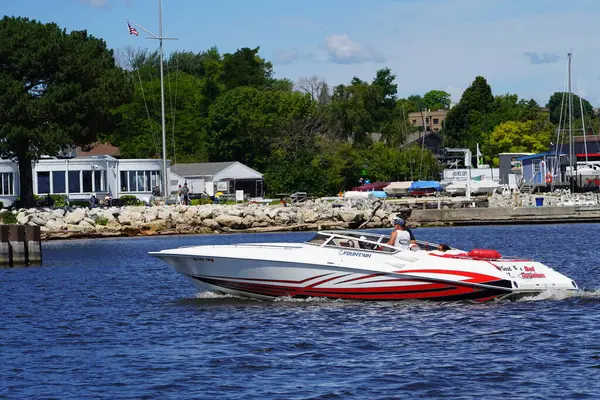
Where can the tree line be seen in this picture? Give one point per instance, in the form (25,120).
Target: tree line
(63,88)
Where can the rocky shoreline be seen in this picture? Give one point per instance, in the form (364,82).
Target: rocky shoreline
(205,219)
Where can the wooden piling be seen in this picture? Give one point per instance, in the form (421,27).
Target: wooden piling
(16,239)
(33,245)
(5,251)
(20,245)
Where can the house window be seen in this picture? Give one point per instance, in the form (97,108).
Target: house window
(426,119)
(536,167)
(43,182)
(139,181)
(59,183)
(143,181)
(7,180)
(87,181)
(436,121)
(98,180)
(414,121)
(74,183)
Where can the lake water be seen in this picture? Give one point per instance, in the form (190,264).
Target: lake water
(102,319)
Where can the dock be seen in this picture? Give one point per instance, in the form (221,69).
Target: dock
(516,215)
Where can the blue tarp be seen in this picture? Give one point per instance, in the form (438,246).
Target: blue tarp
(380,194)
(425,185)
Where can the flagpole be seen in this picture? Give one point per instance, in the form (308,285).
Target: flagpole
(160,39)
(162,102)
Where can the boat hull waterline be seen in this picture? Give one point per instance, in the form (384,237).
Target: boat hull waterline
(267,271)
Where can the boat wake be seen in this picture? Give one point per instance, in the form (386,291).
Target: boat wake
(209,295)
(557,294)
(551,294)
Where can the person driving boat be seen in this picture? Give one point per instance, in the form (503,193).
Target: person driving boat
(400,237)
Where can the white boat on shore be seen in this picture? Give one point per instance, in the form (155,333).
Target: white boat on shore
(358,265)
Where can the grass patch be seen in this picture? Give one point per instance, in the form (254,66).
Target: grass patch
(7,217)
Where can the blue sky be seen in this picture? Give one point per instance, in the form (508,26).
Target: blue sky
(520,46)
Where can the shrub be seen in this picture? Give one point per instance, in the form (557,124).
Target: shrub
(59,200)
(129,200)
(1,204)
(79,203)
(200,202)
(8,217)
(102,221)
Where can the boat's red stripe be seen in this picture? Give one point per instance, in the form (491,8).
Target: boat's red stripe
(326,280)
(465,256)
(363,293)
(273,280)
(433,291)
(361,277)
(389,280)
(473,275)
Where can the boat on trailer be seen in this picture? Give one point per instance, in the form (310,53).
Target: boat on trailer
(361,266)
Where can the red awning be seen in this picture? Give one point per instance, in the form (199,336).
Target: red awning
(371,186)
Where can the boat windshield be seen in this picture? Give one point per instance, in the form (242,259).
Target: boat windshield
(356,240)
(363,241)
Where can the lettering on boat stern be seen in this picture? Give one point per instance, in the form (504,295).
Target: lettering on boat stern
(204,259)
(354,254)
(526,272)
(530,273)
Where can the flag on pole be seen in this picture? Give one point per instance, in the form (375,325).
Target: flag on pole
(132,30)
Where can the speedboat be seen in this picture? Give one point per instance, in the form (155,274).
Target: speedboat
(360,265)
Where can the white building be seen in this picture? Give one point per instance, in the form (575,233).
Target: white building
(77,178)
(226,177)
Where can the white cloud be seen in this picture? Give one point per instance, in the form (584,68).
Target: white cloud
(542,58)
(105,3)
(453,53)
(343,50)
(289,56)
(95,3)
(445,44)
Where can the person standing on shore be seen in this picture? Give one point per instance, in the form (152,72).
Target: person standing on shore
(185,193)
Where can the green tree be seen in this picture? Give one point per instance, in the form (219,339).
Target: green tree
(416,102)
(478,96)
(531,136)
(283,85)
(353,112)
(559,102)
(57,88)
(139,132)
(244,122)
(467,122)
(383,163)
(339,163)
(246,68)
(417,163)
(436,100)
(407,105)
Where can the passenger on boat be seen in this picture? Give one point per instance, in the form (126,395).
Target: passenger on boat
(443,247)
(400,237)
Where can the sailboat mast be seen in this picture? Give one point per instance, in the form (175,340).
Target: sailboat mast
(582,120)
(571,152)
(162,103)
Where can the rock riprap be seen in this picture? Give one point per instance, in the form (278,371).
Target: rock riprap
(210,218)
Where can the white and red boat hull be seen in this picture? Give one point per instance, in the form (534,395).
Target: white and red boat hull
(267,271)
